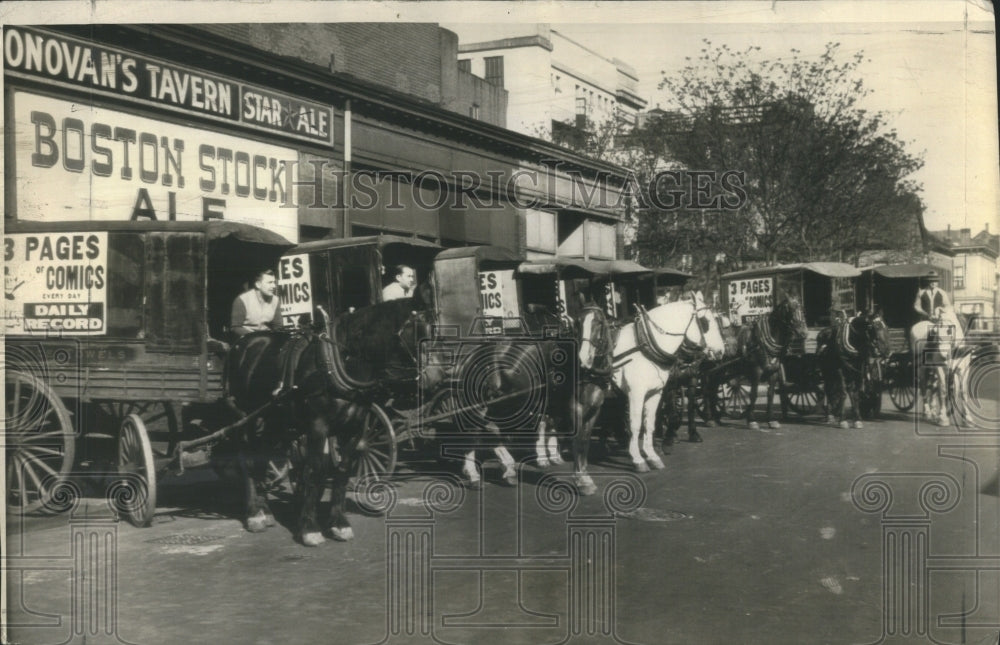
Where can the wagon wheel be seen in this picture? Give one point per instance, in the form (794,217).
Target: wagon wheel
(902,392)
(804,400)
(137,500)
(39,441)
(161,419)
(734,396)
(375,451)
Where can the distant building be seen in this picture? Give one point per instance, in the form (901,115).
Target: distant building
(974,269)
(555,85)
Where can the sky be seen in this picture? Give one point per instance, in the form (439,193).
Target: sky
(932,64)
(931,69)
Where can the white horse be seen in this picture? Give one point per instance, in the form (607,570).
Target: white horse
(674,329)
(934,344)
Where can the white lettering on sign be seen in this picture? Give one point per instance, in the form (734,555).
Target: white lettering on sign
(295,288)
(750,298)
(87,163)
(55,283)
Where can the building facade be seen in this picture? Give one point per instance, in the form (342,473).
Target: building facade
(554,83)
(974,271)
(311,131)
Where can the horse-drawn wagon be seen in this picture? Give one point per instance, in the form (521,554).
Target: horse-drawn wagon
(114,330)
(938,358)
(817,292)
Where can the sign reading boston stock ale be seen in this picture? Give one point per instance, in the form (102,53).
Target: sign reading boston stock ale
(98,164)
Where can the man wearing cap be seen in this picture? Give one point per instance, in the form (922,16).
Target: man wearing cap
(930,298)
(257,308)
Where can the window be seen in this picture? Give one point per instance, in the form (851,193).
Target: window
(959,277)
(474,110)
(581,112)
(494,70)
(465,65)
(541,231)
(600,241)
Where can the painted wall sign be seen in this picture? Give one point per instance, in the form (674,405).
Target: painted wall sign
(295,288)
(120,73)
(751,297)
(55,283)
(76,162)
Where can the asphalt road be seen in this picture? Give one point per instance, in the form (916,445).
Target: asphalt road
(803,534)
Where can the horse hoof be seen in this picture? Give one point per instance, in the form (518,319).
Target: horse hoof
(269,519)
(473,484)
(754,425)
(556,460)
(668,441)
(655,463)
(586,486)
(774,425)
(845,425)
(257,523)
(641,467)
(858,425)
(694,437)
(666,448)
(313,539)
(831,420)
(543,462)
(711,423)
(342,534)
(509,480)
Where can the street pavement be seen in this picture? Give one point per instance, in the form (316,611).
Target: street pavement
(803,534)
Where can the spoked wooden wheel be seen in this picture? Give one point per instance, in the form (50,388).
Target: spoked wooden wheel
(734,396)
(902,392)
(39,441)
(375,450)
(804,400)
(136,497)
(161,419)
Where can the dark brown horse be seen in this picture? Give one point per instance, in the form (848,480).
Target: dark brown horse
(288,375)
(846,353)
(761,346)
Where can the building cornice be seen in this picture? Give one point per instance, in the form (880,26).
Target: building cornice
(507,43)
(197,47)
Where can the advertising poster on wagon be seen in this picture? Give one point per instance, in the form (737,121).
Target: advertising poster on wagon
(235,410)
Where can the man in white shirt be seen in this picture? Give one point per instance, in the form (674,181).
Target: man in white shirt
(406,279)
(930,298)
(258,308)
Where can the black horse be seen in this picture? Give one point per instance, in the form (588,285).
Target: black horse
(761,346)
(848,352)
(697,384)
(287,377)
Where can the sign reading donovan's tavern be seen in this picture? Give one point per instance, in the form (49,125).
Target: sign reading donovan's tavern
(120,73)
(55,283)
(76,162)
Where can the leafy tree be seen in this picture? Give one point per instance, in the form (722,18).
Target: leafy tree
(824,178)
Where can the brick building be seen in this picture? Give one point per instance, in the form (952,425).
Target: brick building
(309,130)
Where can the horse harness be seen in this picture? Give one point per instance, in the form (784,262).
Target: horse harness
(687,352)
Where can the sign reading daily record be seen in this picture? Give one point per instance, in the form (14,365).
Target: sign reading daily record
(78,162)
(122,74)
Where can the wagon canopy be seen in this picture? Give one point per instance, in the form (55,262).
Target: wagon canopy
(903,270)
(827,269)
(378,241)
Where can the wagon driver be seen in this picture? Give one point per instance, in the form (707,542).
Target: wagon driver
(930,298)
(406,279)
(258,308)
